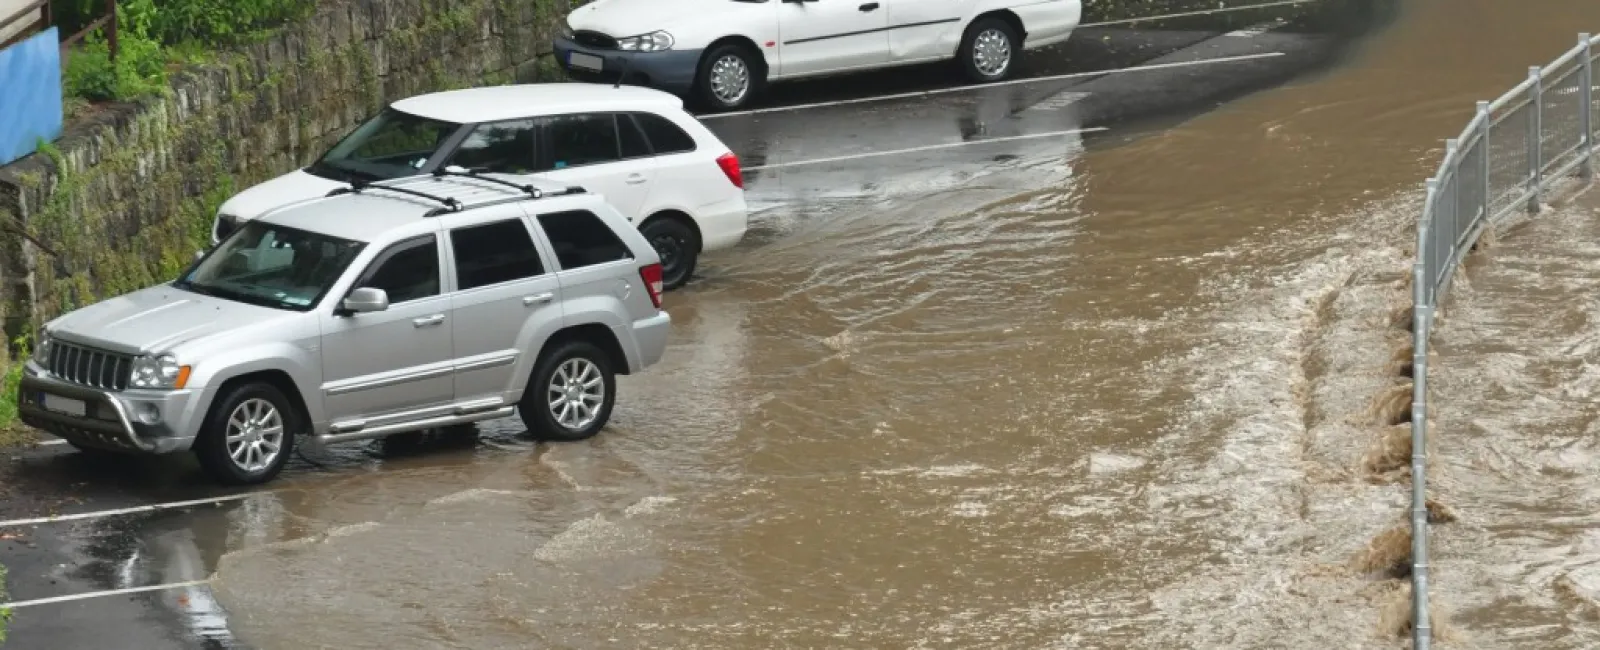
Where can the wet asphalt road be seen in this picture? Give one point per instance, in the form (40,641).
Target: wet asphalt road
(814,147)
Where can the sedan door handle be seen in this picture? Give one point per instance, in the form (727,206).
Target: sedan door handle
(427,321)
(870,6)
(538,299)
(635,179)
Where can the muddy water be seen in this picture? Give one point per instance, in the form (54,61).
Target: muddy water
(1103,398)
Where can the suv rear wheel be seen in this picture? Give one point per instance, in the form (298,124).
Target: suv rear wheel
(249,434)
(571,393)
(678,247)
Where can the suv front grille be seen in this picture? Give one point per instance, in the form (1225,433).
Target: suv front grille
(90,367)
(594,39)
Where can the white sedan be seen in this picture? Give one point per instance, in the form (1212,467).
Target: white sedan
(720,52)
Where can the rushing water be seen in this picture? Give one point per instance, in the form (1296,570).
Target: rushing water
(1114,397)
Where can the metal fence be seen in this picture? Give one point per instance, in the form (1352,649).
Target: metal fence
(1514,150)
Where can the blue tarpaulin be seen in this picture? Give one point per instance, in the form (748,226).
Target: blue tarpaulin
(30,94)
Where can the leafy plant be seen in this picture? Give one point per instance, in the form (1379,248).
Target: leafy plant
(8,383)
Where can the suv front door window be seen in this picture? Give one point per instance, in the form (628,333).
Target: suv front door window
(399,359)
(505,300)
(587,149)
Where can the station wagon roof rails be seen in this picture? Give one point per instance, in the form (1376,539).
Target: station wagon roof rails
(356,186)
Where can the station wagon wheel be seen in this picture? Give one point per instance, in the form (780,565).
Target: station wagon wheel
(677,246)
(248,435)
(571,393)
(989,50)
(729,74)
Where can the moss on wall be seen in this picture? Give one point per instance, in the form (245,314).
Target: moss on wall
(127,195)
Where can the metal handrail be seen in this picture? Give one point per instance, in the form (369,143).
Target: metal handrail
(1460,189)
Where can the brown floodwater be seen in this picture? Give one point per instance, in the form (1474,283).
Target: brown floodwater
(1101,397)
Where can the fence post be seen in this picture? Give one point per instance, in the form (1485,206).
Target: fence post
(1586,107)
(1483,141)
(1422,301)
(1535,148)
(111,29)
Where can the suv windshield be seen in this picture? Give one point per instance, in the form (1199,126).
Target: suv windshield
(390,145)
(272,266)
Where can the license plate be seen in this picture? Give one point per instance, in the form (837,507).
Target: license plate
(63,405)
(585,61)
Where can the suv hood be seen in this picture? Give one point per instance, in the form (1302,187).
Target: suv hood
(154,320)
(288,188)
(623,18)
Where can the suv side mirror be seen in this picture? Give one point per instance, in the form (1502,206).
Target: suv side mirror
(366,299)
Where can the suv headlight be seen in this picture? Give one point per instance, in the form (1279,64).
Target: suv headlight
(652,42)
(158,372)
(41,349)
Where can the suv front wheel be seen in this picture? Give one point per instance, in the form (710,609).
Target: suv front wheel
(571,393)
(248,436)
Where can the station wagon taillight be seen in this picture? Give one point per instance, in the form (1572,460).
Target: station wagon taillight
(730,167)
(652,282)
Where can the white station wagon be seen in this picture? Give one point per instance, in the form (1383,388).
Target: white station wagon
(657,165)
(721,52)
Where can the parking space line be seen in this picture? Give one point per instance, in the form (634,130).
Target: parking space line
(947,145)
(100,594)
(52,442)
(128,511)
(957,89)
(1202,12)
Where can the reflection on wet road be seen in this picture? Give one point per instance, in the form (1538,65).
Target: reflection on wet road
(1076,390)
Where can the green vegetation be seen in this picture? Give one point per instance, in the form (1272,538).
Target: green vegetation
(153,35)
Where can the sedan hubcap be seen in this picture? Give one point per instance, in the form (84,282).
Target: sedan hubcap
(730,79)
(991,52)
(576,392)
(255,435)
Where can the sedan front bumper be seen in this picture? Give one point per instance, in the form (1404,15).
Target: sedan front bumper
(672,71)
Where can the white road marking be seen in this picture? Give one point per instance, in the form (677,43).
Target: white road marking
(52,442)
(1056,102)
(947,145)
(957,89)
(100,594)
(1202,12)
(126,511)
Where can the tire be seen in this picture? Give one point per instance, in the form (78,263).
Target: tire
(979,44)
(677,245)
(267,409)
(580,361)
(730,59)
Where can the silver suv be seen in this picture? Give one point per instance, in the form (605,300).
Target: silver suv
(379,309)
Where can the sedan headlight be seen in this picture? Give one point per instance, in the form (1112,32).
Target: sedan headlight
(652,42)
(158,372)
(41,349)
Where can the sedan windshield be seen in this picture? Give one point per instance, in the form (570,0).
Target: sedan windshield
(272,266)
(391,145)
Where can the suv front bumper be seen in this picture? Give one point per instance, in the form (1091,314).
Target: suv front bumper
(149,422)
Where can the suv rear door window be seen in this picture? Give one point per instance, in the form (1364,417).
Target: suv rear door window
(584,139)
(492,253)
(581,239)
(406,271)
(664,136)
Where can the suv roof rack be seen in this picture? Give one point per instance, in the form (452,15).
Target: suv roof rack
(356,186)
(450,203)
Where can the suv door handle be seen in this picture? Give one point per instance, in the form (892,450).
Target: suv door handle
(635,179)
(428,320)
(870,6)
(538,299)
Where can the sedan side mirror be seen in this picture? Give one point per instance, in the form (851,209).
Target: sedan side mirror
(366,299)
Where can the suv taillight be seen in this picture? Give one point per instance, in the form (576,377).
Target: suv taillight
(730,167)
(652,282)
